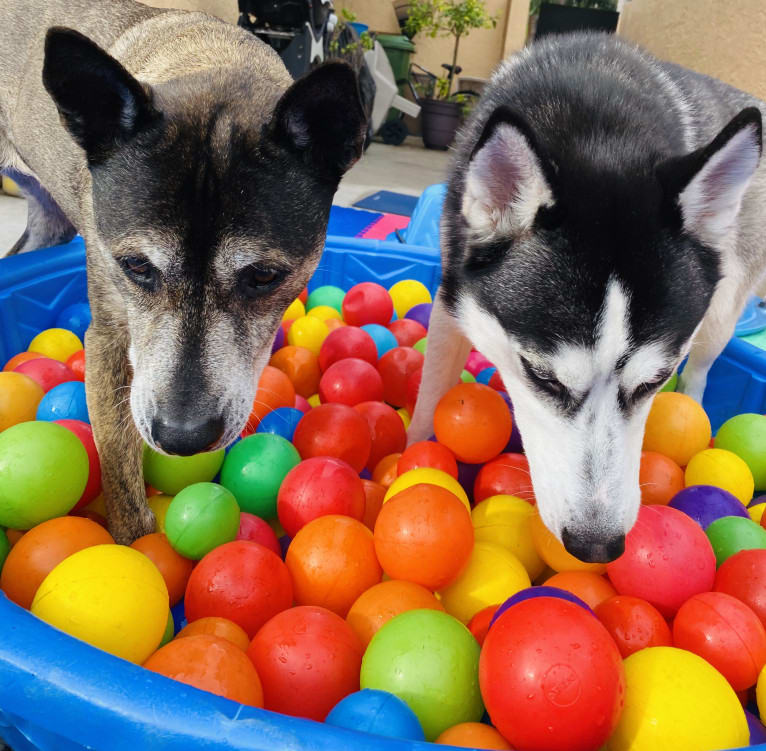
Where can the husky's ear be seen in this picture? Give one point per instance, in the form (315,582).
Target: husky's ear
(706,187)
(321,118)
(508,178)
(99,102)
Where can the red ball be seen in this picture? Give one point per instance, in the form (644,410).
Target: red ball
(395,367)
(551,677)
(427,454)
(633,624)
(668,559)
(242,581)
(367,302)
(85,433)
(386,429)
(76,363)
(308,659)
(304,295)
(47,372)
(255,529)
(412,389)
(350,381)
(345,342)
(725,632)
(506,474)
(407,331)
(318,487)
(496,382)
(334,430)
(743,575)
(479,624)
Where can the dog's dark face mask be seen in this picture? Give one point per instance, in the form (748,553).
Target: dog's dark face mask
(210,213)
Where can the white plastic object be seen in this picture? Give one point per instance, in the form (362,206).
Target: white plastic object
(386,93)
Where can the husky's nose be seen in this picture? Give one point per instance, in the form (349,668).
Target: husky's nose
(186,437)
(593,550)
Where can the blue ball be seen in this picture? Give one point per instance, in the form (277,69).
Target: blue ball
(541,591)
(64,402)
(376,712)
(483,376)
(383,338)
(76,318)
(281,421)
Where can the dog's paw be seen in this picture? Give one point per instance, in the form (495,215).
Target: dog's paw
(126,531)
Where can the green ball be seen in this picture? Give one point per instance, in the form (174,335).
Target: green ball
(170,630)
(326,295)
(421,345)
(431,661)
(169,474)
(254,469)
(5,547)
(745,436)
(671,383)
(730,534)
(201,517)
(467,377)
(43,471)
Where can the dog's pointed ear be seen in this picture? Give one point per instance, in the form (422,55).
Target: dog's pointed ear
(704,189)
(320,117)
(508,179)
(99,102)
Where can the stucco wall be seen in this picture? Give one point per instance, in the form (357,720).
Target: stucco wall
(721,38)
(225,9)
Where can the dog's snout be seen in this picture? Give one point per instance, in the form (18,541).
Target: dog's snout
(592,549)
(186,436)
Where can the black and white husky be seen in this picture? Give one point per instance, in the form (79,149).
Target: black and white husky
(605,217)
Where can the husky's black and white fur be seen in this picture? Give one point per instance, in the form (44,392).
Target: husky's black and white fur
(604,218)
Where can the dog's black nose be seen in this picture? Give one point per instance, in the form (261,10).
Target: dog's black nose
(186,437)
(593,550)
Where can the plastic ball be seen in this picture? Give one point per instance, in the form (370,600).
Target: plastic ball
(429,660)
(676,700)
(281,422)
(367,302)
(395,367)
(553,553)
(350,381)
(254,470)
(384,340)
(308,659)
(484,376)
(506,474)
(385,471)
(731,534)
(406,331)
(473,735)
(421,313)
(327,295)
(47,372)
(58,344)
(591,588)
(387,430)
(76,364)
(279,340)
(427,476)
(75,318)
(175,569)
(373,502)
(242,581)
(5,548)
(19,399)
(723,469)
(170,474)
(532,593)
(677,427)
(110,596)
(301,366)
(159,506)
(706,503)
(745,436)
(659,478)
(743,576)
(407,294)
(303,404)
(479,624)
(325,313)
(634,624)
(64,402)
(347,342)
(427,454)
(296,309)
(274,390)
(560,664)
(41,549)
(757,730)
(421,345)
(755,512)
(376,712)
(43,472)
(318,487)
(85,433)
(667,560)
(223,628)
(212,664)
(255,529)
(19,358)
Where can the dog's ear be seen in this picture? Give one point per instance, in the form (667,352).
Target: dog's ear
(321,118)
(508,179)
(99,102)
(704,189)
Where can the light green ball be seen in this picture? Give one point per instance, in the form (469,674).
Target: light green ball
(731,534)
(326,295)
(169,474)
(745,436)
(431,661)
(170,630)
(43,471)
(421,345)
(467,377)
(671,383)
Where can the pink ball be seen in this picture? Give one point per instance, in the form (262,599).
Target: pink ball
(668,559)
(255,529)
(476,362)
(46,371)
(302,404)
(407,331)
(85,433)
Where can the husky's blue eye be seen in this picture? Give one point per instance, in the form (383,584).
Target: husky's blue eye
(255,281)
(140,271)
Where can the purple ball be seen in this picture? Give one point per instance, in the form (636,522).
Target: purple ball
(466,476)
(420,313)
(757,730)
(279,340)
(515,445)
(542,591)
(706,503)
(758,499)
(284,543)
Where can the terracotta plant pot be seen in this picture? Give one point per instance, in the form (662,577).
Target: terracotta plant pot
(440,121)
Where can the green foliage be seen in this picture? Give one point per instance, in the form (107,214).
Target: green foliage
(366,42)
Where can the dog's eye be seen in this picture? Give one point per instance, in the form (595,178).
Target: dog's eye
(140,271)
(645,389)
(255,281)
(544,381)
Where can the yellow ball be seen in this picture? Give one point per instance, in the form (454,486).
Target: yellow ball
(405,415)
(756,512)
(58,344)
(324,313)
(723,469)
(760,694)
(296,309)
(314,400)
(504,520)
(308,332)
(110,596)
(428,476)
(553,552)
(492,575)
(407,294)
(675,700)
(159,504)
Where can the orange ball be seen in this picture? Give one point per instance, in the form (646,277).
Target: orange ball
(591,588)
(424,535)
(550,549)
(379,604)
(76,363)
(223,628)
(385,470)
(14,535)
(473,421)
(427,454)
(274,390)
(331,562)
(373,502)
(659,477)
(212,664)
(334,323)
(479,624)
(19,397)
(473,735)
(301,366)
(41,549)
(677,427)
(175,569)
(16,360)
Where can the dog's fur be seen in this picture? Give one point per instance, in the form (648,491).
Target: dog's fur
(201,179)
(605,216)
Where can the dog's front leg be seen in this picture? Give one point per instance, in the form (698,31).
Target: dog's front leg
(107,384)
(445,358)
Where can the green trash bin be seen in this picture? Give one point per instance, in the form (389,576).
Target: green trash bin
(398,49)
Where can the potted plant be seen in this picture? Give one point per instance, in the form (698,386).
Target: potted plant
(441,109)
